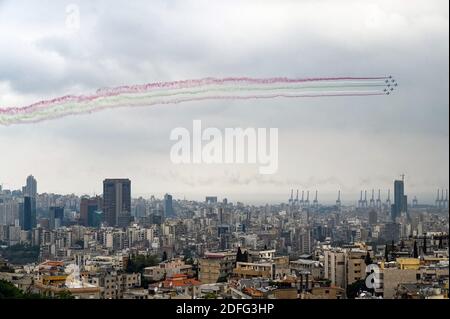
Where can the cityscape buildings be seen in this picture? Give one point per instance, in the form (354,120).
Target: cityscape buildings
(118,247)
(117,201)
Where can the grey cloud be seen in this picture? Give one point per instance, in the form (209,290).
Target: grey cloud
(121,42)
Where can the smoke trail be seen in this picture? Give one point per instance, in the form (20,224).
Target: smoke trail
(196,90)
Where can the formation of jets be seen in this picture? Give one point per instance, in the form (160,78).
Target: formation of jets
(390,84)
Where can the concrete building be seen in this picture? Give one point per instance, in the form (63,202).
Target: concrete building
(373,217)
(344,266)
(117,202)
(257,255)
(356,267)
(52,279)
(114,284)
(166,269)
(89,206)
(254,270)
(314,267)
(325,293)
(335,267)
(216,265)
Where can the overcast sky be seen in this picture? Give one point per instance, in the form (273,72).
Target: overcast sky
(326,144)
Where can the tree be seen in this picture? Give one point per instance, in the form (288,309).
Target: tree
(195,269)
(355,288)
(9,291)
(415,252)
(245,256)
(210,295)
(189,261)
(441,243)
(239,256)
(187,253)
(65,295)
(368,259)
(386,253)
(137,263)
(222,279)
(145,282)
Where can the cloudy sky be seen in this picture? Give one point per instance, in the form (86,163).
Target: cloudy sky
(326,144)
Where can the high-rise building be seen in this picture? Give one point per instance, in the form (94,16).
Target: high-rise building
(168,207)
(95,218)
(391,232)
(211,200)
(28,213)
(373,217)
(335,267)
(117,201)
(305,241)
(9,211)
(220,216)
(400,200)
(31,187)
(87,207)
(56,217)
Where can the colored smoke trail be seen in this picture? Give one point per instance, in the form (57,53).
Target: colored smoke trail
(196,90)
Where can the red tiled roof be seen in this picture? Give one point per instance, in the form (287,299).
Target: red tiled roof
(180,280)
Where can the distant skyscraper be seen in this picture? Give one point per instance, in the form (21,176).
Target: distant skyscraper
(400,200)
(29,213)
(31,187)
(305,241)
(338,201)
(87,207)
(117,201)
(391,232)
(220,216)
(168,207)
(373,217)
(211,199)
(56,217)
(95,218)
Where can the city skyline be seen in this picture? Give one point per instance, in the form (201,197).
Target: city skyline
(375,194)
(216,157)
(158,248)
